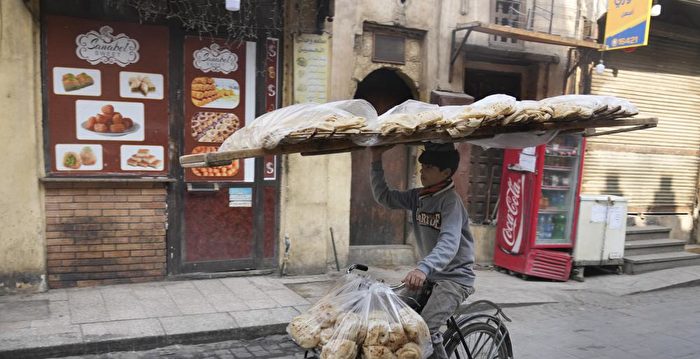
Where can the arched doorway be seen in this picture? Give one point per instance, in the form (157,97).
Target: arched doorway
(370,223)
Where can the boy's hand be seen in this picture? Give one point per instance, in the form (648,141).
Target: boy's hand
(378,151)
(414,279)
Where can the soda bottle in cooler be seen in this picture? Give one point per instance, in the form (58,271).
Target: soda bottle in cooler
(559,229)
(550,227)
(541,225)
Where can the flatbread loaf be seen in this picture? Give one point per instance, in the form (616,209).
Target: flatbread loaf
(410,351)
(305,331)
(339,349)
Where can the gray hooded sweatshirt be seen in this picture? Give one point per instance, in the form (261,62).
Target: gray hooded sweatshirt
(441,226)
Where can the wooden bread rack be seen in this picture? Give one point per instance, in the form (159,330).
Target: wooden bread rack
(325,142)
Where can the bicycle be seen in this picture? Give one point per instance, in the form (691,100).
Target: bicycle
(471,332)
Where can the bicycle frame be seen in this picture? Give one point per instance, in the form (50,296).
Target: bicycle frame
(454,325)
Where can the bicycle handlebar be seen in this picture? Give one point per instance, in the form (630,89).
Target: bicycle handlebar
(357,266)
(365,268)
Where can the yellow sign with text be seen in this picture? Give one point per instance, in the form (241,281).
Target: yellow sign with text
(627,23)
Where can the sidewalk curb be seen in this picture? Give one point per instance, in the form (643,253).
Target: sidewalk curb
(144,343)
(690,283)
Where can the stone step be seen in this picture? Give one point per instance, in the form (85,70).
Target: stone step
(651,262)
(651,246)
(382,255)
(646,232)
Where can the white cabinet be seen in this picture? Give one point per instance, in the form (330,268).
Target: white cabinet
(600,232)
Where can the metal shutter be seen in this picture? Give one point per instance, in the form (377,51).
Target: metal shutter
(655,169)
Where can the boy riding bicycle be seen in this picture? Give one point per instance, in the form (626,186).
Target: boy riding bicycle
(444,277)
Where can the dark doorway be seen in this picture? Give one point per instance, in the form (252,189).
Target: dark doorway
(370,223)
(485,165)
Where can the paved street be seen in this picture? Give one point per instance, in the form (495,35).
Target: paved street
(662,324)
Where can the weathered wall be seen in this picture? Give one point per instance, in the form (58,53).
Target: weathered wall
(316,190)
(315,198)
(22,244)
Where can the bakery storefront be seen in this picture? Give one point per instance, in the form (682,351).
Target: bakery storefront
(124,96)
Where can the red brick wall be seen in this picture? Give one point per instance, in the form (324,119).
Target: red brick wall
(105,233)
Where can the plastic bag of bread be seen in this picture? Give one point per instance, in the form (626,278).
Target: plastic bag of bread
(365,317)
(381,325)
(316,326)
(300,122)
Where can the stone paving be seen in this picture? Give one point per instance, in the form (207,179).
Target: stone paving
(653,325)
(159,314)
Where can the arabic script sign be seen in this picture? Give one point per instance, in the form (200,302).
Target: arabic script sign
(627,23)
(103,47)
(215,59)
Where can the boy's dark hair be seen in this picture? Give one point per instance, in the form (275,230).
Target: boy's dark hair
(440,155)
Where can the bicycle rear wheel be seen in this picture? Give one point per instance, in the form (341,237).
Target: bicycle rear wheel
(482,342)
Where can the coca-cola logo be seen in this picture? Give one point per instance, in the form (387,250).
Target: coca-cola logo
(513,230)
(103,47)
(215,59)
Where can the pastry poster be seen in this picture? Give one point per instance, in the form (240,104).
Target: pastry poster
(215,101)
(107,97)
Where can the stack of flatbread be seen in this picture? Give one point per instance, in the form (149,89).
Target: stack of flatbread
(297,123)
(488,111)
(582,107)
(528,112)
(407,124)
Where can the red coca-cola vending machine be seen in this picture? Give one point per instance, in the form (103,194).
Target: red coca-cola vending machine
(538,208)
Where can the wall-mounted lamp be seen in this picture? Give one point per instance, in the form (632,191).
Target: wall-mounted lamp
(600,67)
(233,5)
(655,10)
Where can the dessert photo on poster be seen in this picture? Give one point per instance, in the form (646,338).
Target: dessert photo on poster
(78,157)
(141,158)
(76,81)
(140,85)
(214,92)
(109,120)
(219,171)
(213,126)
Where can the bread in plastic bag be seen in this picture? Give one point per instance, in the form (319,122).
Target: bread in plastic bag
(404,119)
(377,352)
(339,349)
(266,131)
(413,324)
(407,117)
(409,351)
(367,317)
(305,331)
(383,330)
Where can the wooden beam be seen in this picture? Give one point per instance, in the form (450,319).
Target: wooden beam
(527,35)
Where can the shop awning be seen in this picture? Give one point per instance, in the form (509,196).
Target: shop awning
(512,32)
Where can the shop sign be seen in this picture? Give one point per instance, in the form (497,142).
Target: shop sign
(311,59)
(271,75)
(627,23)
(103,47)
(215,59)
(240,197)
(271,83)
(110,116)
